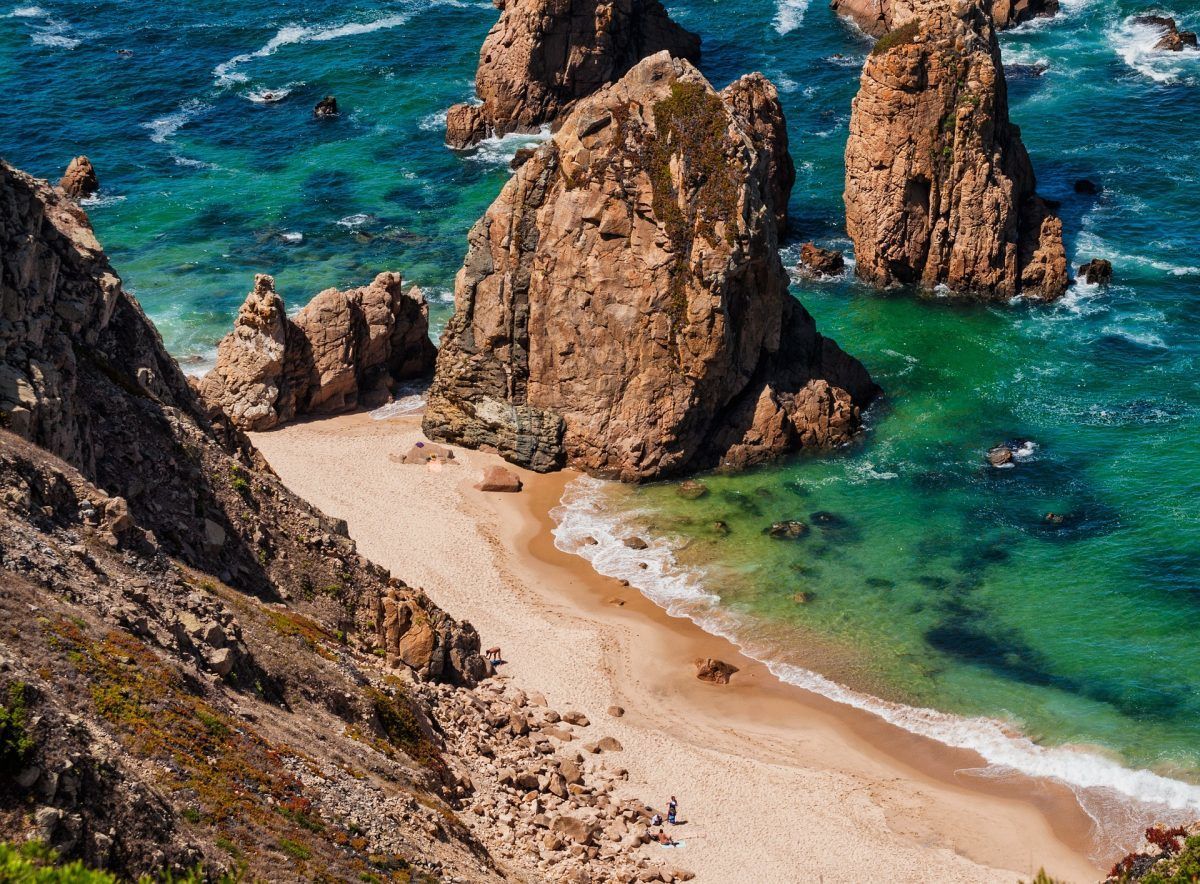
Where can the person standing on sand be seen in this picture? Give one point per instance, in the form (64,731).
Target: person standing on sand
(671,807)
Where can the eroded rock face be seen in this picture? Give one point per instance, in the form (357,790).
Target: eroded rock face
(544,55)
(80,179)
(877,17)
(345,348)
(754,100)
(939,187)
(622,307)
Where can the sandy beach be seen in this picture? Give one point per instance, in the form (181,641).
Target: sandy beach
(776,784)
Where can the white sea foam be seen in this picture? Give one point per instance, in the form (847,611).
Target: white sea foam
(227,73)
(585,525)
(292,237)
(47,30)
(1134,42)
(189,163)
(28,12)
(164,127)
(271,96)
(499,151)
(789,14)
(433,122)
(353,222)
(100,200)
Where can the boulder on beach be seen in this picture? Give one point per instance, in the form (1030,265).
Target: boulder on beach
(498,478)
(424,452)
(714,671)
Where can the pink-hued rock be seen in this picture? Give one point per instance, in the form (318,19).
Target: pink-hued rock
(544,55)
(497,478)
(939,187)
(623,308)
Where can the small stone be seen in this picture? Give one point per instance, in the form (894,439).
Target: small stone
(616,711)
(576,718)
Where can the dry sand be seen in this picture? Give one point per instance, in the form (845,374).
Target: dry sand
(776,784)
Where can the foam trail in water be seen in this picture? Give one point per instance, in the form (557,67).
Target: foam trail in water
(164,127)
(227,73)
(586,527)
(789,14)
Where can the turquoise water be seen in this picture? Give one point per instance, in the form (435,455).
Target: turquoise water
(936,582)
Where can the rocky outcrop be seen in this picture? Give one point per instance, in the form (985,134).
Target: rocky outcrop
(344,349)
(80,179)
(878,17)
(623,308)
(821,262)
(326,108)
(544,55)
(1173,39)
(1097,271)
(939,187)
(754,101)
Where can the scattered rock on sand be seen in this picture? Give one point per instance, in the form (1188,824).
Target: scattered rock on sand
(498,478)
(821,262)
(635,543)
(327,107)
(714,671)
(616,711)
(424,452)
(80,179)
(1096,272)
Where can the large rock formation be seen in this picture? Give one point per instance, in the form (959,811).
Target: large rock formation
(544,55)
(342,350)
(80,179)
(623,308)
(878,17)
(939,187)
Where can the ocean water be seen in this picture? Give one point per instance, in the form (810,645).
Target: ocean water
(931,589)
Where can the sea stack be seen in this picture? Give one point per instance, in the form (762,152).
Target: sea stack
(623,308)
(878,17)
(80,179)
(939,188)
(342,350)
(544,55)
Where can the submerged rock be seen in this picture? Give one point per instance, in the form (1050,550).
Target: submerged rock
(939,187)
(622,307)
(326,108)
(542,56)
(1086,187)
(787,530)
(344,349)
(691,490)
(80,179)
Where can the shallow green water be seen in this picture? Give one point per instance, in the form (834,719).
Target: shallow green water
(939,584)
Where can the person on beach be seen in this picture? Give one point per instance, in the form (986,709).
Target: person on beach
(664,839)
(494,654)
(672,805)
(656,820)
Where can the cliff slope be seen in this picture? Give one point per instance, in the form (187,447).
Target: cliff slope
(939,187)
(622,307)
(877,17)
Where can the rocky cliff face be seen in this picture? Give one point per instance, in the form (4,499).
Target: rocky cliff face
(622,307)
(544,55)
(137,533)
(878,17)
(939,187)
(342,350)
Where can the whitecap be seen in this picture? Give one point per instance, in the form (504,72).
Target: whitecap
(789,14)
(100,200)
(353,222)
(28,12)
(433,122)
(269,96)
(1134,42)
(189,163)
(585,525)
(227,73)
(164,127)
(499,151)
(292,237)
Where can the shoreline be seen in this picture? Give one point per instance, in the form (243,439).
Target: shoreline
(823,790)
